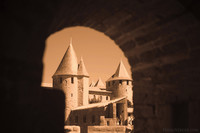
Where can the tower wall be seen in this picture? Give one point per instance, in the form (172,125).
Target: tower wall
(69,87)
(120,88)
(83,85)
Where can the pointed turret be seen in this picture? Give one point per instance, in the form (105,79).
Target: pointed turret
(68,65)
(81,69)
(83,84)
(65,78)
(92,84)
(120,83)
(121,73)
(99,84)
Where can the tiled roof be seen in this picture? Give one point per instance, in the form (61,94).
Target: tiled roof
(120,74)
(68,65)
(81,68)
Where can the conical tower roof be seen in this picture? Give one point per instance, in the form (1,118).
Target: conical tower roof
(92,84)
(81,69)
(121,73)
(68,65)
(99,84)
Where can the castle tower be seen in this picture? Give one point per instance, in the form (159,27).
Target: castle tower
(83,84)
(65,78)
(120,83)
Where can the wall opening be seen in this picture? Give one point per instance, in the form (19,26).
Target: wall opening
(103,60)
(101,55)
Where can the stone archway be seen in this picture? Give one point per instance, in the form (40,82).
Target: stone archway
(159,38)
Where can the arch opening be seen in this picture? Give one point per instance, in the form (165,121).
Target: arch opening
(101,55)
(105,62)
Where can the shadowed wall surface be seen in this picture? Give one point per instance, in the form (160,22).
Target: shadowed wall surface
(159,38)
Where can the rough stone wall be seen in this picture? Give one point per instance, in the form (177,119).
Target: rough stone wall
(80,91)
(99,97)
(83,85)
(71,95)
(159,38)
(25,106)
(56,82)
(85,90)
(88,114)
(70,90)
(120,89)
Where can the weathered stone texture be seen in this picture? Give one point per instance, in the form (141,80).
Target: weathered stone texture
(160,39)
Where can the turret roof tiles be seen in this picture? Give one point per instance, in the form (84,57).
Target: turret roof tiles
(99,84)
(120,74)
(81,69)
(68,65)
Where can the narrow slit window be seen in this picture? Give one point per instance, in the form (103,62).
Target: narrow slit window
(60,79)
(72,80)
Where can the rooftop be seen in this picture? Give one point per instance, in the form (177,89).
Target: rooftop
(99,84)
(81,69)
(68,65)
(120,74)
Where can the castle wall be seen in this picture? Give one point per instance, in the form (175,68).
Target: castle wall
(120,89)
(83,85)
(86,117)
(85,90)
(80,91)
(69,87)
(99,96)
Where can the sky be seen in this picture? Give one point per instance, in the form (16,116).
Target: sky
(100,54)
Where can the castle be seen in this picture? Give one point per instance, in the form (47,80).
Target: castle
(94,106)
